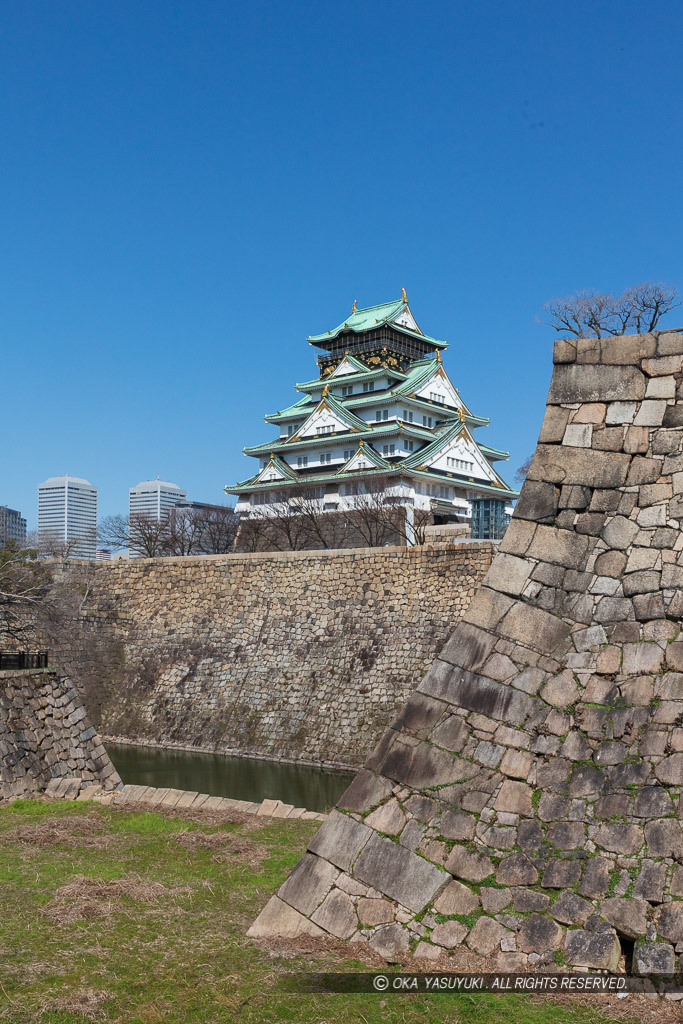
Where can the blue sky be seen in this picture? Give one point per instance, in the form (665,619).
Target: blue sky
(189,189)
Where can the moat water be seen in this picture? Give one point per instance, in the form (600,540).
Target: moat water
(241,778)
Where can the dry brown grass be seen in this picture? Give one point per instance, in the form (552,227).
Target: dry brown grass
(227,846)
(199,817)
(71,831)
(85,899)
(85,1002)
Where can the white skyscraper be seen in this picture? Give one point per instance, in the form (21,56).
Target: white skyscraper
(154,498)
(67,514)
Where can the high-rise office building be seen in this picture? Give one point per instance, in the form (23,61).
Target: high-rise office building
(12,526)
(67,515)
(154,498)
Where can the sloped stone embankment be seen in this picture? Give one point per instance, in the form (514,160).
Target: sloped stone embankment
(527,799)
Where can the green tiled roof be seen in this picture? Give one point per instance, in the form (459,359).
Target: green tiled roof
(372,430)
(367,319)
(350,378)
(245,486)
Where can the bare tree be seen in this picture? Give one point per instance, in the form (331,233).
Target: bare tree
(24,584)
(221,524)
(113,532)
(649,302)
(51,544)
(252,533)
(594,314)
(370,514)
(184,532)
(145,536)
(522,471)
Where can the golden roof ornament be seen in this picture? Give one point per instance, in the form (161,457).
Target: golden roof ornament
(354,307)
(403,295)
(326,390)
(438,356)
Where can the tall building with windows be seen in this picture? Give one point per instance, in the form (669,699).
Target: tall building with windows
(154,498)
(67,515)
(12,526)
(382,412)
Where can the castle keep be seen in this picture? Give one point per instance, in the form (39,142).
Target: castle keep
(384,414)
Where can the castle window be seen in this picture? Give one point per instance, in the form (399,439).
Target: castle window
(325,457)
(302,461)
(347,390)
(426,421)
(408,415)
(369,385)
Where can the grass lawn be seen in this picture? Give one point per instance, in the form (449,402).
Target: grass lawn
(140,917)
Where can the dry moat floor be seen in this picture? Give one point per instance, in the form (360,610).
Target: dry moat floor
(132,916)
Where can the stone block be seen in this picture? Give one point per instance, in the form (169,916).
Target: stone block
(456,899)
(366,792)
(669,921)
(391,941)
(650,882)
(486,936)
(617,838)
(554,423)
(279,919)
(569,908)
(340,839)
(422,807)
(567,835)
(651,413)
(576,383)
(653,802)
(561,874)
(539,934)
(516,870)
(419,714)
(468,865)
(389,818)
(372,912)
(449,935)
(596,877)
(653,958)
(599,950)
(664,838)
(562,547)
(515,798)
(494,900)
(516,763)
(399,874)
(561,690)
(534,628)
(629,916)
(308,884)
(578,435)
(582,466)
(336,915)
(537,502)
(619,532)
(423,766)
(468,647)
(670,770)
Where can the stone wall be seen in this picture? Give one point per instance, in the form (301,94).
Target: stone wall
(301,656)
(45,735)
(527,800)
